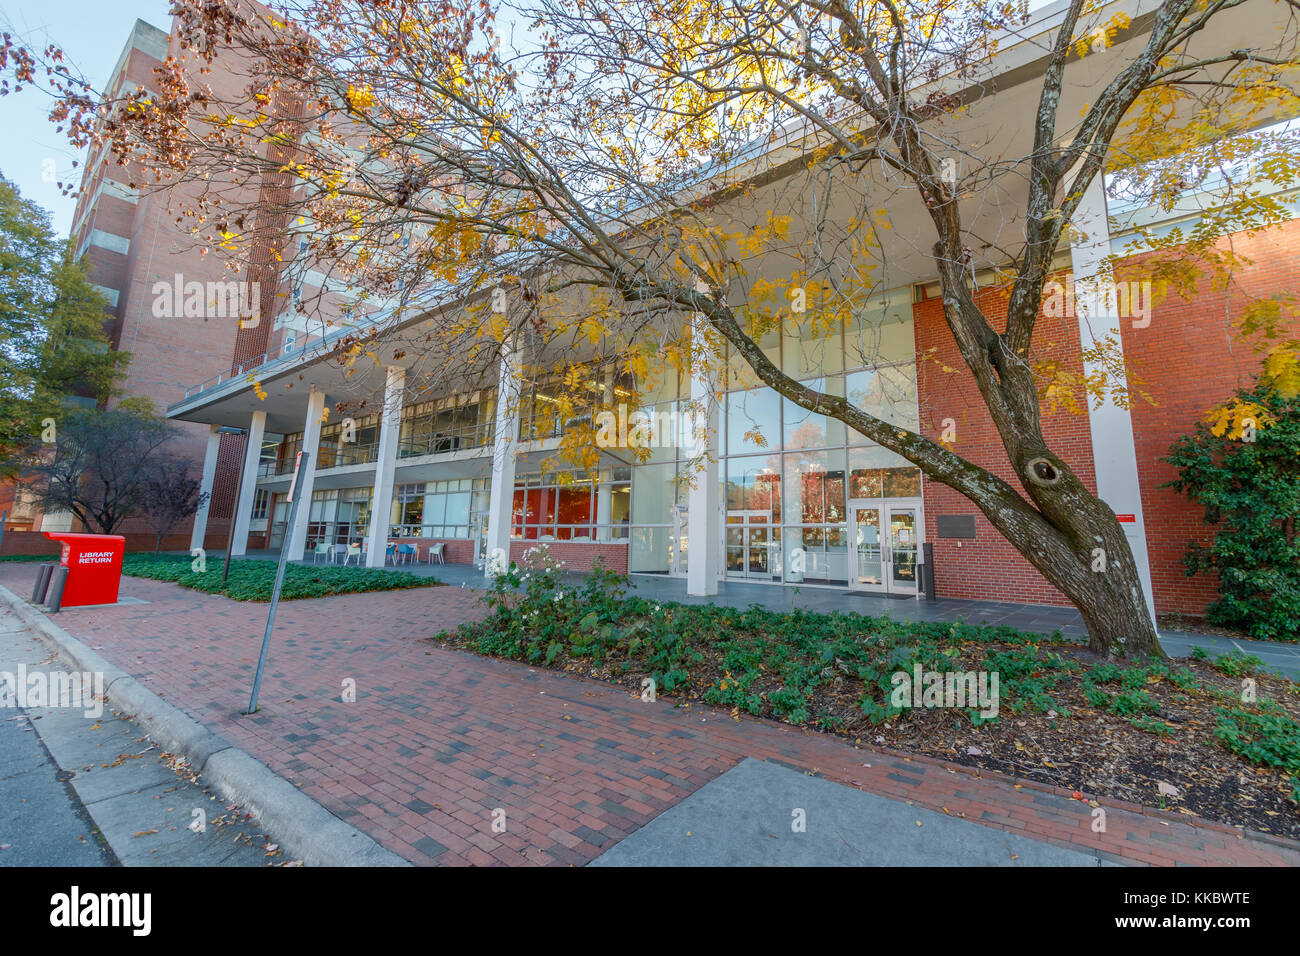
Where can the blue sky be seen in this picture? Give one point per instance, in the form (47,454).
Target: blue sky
(92,34)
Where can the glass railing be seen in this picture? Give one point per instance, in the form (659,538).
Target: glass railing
(445,441)
(339,454)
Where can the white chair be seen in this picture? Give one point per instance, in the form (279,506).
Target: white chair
(354,551)
(435,551)
(321,549)
(340,553)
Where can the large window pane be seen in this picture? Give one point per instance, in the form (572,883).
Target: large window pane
(653,493)
(875,472)
(809,348)
(881,334)
(648,550)
(750,416)
(805,429)
(654,428)
(574,508)
(885,393)
(458,508)
(754,484)
(814,487)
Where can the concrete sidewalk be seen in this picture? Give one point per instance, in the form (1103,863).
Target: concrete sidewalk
(763,814)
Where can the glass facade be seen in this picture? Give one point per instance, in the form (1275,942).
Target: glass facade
(572,506)
(789,474)
(336,516)
(794,486)
(438,509)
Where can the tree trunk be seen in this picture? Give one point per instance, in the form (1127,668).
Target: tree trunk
(1091,563)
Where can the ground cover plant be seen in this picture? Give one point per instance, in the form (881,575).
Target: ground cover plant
(1215,738)
(251,580)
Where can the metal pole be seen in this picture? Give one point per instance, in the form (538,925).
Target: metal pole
(304,461)
(42,582)
(234,513)
(54,596)
(3,518)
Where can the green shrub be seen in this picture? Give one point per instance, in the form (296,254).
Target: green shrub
(1249,484)
(1133,702)
(760,662)
(1150,725)
(1267,736)
(252,580)
(1234,664)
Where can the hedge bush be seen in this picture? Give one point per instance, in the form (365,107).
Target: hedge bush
(251,580)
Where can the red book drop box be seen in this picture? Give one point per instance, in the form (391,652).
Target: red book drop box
(94,563)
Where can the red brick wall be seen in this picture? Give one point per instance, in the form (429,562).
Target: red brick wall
(1189,360)
(28,542)
(577,555)
(988,567)
(33,542)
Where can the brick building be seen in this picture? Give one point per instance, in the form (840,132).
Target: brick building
(176,310)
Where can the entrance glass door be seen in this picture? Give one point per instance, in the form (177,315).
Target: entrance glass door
(751,544)
(867,563)
(885,542)
(902,526)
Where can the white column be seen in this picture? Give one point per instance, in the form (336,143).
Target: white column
(604,504)
(297,535)
(505,439)
(248,484)
(390,432)
(1113,450)
(200,532)
(703,524)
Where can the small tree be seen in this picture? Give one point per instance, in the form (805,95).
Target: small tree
(1243,465)
(95,463)
(168,495)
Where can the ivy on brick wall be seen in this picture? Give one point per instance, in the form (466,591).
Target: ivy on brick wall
(1244,468)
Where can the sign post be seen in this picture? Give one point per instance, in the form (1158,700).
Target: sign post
(304,459)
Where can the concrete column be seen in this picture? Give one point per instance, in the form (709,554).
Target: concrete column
(1113,450)
(505,439)
(703,523)
(248,486)
(200,532)
(390,433)
(604,504)
(296,537)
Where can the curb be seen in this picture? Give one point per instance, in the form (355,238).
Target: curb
(304,828)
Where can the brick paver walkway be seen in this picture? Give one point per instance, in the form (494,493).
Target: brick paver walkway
(437,740)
